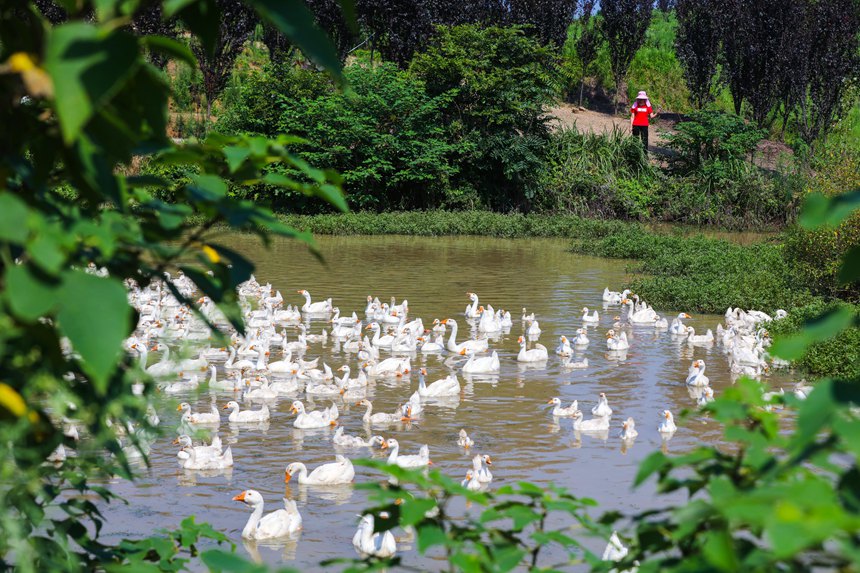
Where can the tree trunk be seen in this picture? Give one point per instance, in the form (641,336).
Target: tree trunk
(581,89)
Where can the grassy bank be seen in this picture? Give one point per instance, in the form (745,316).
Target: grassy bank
(442,223)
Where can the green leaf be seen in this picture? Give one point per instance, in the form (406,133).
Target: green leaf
(170,48)
(201,16)
(87,67)
(208,187)
(28,296)
(94,314)
(413,510)
(817,330)
(236,156)
(219,561)
(648,466)
(47,252)
(719,551)
(430,535)
(296,22)
(819,210)
(849,272)
(13,219)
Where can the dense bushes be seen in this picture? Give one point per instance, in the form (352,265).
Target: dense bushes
(501,82)
(464,128)
(818,253)
(385,135)
(837,357)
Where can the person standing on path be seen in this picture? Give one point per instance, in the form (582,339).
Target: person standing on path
(640,116)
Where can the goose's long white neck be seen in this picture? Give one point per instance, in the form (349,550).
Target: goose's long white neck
(253,521)
(392,457)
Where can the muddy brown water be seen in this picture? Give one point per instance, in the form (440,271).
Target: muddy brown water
(507,416)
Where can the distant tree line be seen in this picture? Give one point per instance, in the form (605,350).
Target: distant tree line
(778,58)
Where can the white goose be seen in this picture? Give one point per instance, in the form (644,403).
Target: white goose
(537,354)
(480,468)
(477,345)
(615,341)
(339,472)
(472,310)
(677,326)
(667,426)
(483,365)
(533,330)
(437,345)
(693,338)
(602,408)
(448,386)
(561,412)
(212,418)
(471,482)
(564,348)
(696,375)
(193,461)
(239,417)
(232,364)
(379,341)
(380,418)
(410,461)
(280,523)
(464,441)
(309,307)
(341,439)
(593,318)
(376,544)
(594,425)
(706,397)
(628,430)
(314,419)
(203,452)
(581,338)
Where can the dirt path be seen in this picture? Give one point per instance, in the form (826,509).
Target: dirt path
(770,155)
(568,115)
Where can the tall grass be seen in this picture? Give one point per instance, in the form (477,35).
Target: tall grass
(445,223)
(699,274)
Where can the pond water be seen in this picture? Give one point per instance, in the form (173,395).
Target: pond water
(507,417)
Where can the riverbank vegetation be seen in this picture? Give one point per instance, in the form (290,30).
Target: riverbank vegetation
(430,123)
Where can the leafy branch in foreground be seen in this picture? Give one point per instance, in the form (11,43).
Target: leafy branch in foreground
(81,105)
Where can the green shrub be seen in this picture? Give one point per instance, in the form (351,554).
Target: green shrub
(837,357)
(385,136)
(817,254)
(278,88)
(713,145)
(500,82)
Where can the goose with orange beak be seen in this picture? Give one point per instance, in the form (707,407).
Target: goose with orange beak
(667,425)
(480,468)
(280,523)
(628,430)
(212,418)
(537,354)
(481,364)
(411,461)
(314,419)
(476,345)
(339,472)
